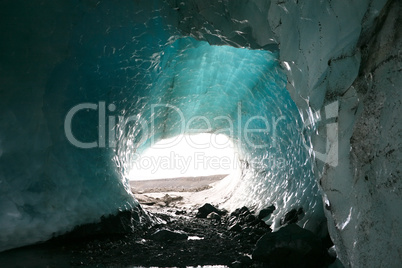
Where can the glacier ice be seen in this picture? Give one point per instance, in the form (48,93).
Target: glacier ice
(58,54)
(234,90)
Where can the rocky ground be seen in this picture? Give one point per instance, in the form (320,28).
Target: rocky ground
(179,241)
(178,231)
(206,236)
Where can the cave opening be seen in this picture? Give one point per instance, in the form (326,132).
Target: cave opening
(197,155)
(239,93)
(181,171)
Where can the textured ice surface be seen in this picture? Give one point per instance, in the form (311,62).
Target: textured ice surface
(61,53)
(54,56)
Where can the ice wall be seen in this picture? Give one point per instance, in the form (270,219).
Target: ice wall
(53,56)
(362,195)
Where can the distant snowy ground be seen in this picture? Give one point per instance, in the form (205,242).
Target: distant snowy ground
(182,184)
(184,193)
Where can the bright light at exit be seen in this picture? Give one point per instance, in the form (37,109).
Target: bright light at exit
(186,156)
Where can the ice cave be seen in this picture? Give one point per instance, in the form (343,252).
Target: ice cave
(308,92)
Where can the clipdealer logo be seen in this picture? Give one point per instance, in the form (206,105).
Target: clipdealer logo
(107,125)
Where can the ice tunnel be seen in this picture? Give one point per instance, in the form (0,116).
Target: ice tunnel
(307,92)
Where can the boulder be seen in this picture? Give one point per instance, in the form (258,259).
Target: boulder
(266,212)
(214,216)
(292,216)
(235,228)
(291,246)
(207,209)
(240,211)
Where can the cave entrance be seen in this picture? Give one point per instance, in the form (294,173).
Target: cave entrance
(184,171)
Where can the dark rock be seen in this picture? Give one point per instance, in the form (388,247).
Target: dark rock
(238,237)
(262,224)
(232,220)
(291,246)
(214,216)
(167,235)
(332,254)
(242,262)
(246,261)
(266,212)
(244,211)
(236,264)
(119,224)
(243,216)
(235,213)
(327,241)
(292,216)
(247,229)
(181,212)
(256,222)
(260,231)
(235,228)
(240,211)
(206,209)
(249,218)
(223,211)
